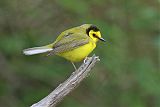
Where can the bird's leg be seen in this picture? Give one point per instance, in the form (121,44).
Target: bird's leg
(74,66)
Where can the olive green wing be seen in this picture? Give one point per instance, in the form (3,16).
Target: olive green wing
(69,42)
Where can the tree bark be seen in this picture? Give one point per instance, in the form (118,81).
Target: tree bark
(68,85)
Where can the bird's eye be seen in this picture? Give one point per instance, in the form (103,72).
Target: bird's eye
(94,35)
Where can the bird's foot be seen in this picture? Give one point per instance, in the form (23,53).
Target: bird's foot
(85,60)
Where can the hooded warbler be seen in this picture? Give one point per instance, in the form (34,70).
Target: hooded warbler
(74,44)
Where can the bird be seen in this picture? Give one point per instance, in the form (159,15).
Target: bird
(74,44)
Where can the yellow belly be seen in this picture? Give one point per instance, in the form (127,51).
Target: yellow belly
(79,53)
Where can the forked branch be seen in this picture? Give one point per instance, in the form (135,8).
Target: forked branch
(67,86)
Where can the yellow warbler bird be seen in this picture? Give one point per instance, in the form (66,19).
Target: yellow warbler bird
(74,44)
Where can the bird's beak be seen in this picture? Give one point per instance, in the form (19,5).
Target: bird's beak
(102,39)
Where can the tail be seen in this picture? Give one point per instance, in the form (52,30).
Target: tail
(37,50)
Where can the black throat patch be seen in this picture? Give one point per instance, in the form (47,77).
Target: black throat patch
(92,27)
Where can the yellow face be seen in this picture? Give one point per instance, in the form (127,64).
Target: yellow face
(95,35)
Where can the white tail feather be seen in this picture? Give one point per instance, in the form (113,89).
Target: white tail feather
(36,50)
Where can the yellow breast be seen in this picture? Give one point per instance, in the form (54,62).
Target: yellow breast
(79,53)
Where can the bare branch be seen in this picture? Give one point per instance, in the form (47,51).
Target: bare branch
(67,86)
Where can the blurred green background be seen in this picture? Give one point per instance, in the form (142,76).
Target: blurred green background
(126,76)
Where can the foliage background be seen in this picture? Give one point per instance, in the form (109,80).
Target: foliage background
(126,76)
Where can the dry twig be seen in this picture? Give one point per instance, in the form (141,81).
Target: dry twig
(67,86)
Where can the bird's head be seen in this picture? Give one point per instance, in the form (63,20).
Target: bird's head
(93,32)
